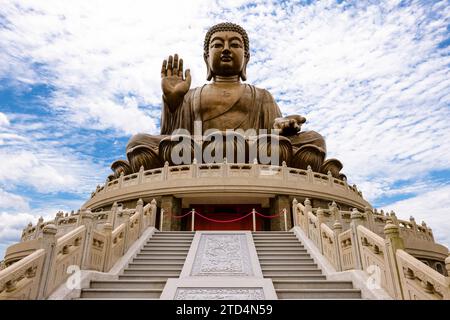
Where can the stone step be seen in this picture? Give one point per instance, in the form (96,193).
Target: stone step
(152,267)
(160,273)
(318,293)
(121,293)
(162,255)
(159,257)
(290,277)
(118,299)
(153,262)
(160,260)
(275,236)
(287,261)
(283,255)
(294,273)
(128,284)
(167,245)
(175,232)
(165,249)
(288,267)
(281,250)
(312,284)
(168,241)
(169,237)
(140,276)
(278,245)
(278,241)
(272,232)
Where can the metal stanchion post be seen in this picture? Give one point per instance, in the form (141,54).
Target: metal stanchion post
(254,219)
(161,220)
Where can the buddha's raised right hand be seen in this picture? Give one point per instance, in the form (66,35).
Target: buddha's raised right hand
(173,84)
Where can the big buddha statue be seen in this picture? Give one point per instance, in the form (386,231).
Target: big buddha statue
(222,104)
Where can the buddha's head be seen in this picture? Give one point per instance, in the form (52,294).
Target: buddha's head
(226,51)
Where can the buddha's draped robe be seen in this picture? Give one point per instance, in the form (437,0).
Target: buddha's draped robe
(255,109)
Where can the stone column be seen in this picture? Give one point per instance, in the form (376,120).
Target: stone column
(126,221)
(38,228)
(86,219)
(153,210)
(393,242)
(140,210)
(171,207)
(294,212)
(356,220)
(107,231)
(279,203)
(48,243)
(337,228)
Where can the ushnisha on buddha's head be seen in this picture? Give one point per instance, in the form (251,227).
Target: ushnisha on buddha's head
(226,51)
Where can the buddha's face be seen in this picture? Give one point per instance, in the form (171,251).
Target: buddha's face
(226,53)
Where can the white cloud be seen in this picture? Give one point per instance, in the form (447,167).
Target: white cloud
(433,207)
(12,201)
(35,153)
(3,120)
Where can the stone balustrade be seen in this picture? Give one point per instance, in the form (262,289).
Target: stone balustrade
(21,281)
(420,282)
(53,259)
(384,259)
(198,177)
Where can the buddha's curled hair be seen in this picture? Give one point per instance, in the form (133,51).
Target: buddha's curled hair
(227,26)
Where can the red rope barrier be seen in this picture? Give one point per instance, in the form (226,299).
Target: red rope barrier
(184,215)
(268,217)
(223,221)
(232,220)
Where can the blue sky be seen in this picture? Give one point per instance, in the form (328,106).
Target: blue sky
(78,78)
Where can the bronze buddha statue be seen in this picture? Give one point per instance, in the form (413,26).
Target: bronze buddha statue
(223,104)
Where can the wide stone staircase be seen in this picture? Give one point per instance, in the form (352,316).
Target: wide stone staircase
(293,272)
(162,257)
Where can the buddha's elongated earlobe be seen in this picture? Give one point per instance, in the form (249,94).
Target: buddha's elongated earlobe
(209,74)
(243,74)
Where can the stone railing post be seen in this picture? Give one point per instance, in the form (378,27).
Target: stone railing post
(48,243)
(370,219)
(334,212)
(153,209)
(356,220)
(294,211)
(393,242)
(225,167)
(284,171)
(121,180)
(38,227)
(87,221)
(126,218)
(141,175)
(337,228)
(310,174)
(107,231)
(113,215)
(320,220)
(255,168)
(140,211)
(308,208)
(165,171)
(393,218)
(330,179)
(414,225)
(194,168)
